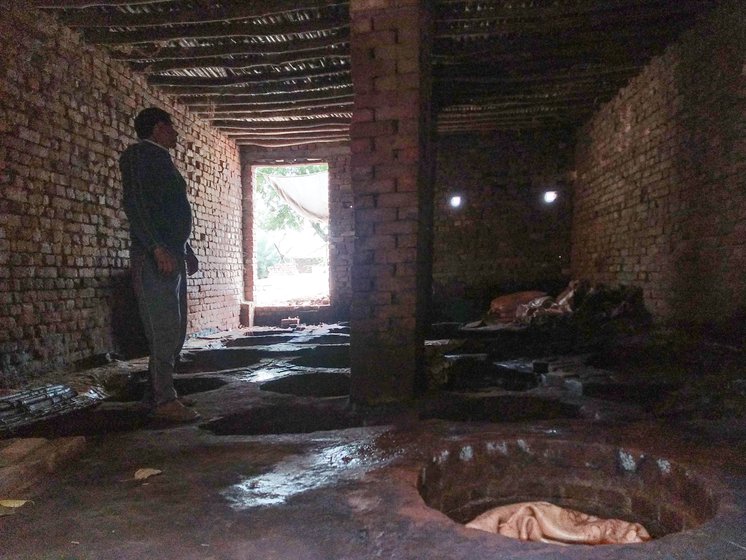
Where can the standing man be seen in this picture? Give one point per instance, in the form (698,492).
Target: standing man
(160,217)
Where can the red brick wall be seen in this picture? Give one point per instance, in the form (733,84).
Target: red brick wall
(65,114)
(503,238)
(341,229)
(661,178)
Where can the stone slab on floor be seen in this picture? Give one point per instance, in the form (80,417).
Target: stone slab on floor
(26,462)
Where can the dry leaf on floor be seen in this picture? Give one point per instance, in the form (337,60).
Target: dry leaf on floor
(142,474)
(13,503)
(9,507)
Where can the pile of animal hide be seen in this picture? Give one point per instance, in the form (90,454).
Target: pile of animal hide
(524,307)
(595,303)
(548,523)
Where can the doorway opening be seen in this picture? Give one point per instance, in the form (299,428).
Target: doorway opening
(291,235)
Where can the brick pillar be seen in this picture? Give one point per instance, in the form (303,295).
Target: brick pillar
(392,196)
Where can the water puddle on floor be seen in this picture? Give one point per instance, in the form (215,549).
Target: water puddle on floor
(326,465)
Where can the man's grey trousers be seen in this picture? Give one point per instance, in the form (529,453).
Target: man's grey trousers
(162,301)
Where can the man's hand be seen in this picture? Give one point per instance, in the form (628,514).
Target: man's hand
(165,261)
(192,264)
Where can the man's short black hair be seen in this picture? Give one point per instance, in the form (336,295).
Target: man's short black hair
(146,120)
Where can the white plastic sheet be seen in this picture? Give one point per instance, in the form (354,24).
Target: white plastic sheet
(306,194)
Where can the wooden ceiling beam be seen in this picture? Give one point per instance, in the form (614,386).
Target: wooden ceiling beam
(286,118)
(537,96)
(594,99)
(655,32)
(244,79)
(559,56)
(284,135)
(503,127)
(290,143)
(567,116)
(473,77)
(211,31)
(212,13)
(540,59)
(263,87)
(271,99)
(83,4)
(507,122)
(496,125)
(501,123)
(246,63)
(569,25)
(156,53)
(305,124)
(478,93)
(455,12)
(228,111)
(527,109)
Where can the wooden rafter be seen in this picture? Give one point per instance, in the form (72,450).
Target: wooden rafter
(149,53)
(271,99)
(577,41)
(83,4)
(288,123)
(215,13)
(569,24)
(287,143)
(449,11)
(263,88)
(474,77)
(276,73)
(275,110)
(211,31)
(246,80)
(248,63)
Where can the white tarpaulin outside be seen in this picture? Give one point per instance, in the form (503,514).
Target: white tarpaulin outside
(306,194)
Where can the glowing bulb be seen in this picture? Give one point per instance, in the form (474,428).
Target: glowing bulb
(550,196)
(455,201)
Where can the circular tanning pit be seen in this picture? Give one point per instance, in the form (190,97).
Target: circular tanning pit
(219,359)
(135,389)
(476,372)
(498,408)
(464,479)
(312,384)
(259,340)
(323,339)
(286,418)
(335,356)
(192,385)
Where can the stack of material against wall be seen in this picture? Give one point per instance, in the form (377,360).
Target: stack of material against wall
(66,112)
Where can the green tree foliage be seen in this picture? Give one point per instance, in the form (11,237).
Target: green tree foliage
(273,215)
(266,256)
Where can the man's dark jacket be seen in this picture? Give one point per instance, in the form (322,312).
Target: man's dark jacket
(155,199)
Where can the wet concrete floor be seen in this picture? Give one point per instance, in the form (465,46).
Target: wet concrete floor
(273,471)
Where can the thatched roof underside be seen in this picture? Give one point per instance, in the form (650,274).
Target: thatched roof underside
(277,72)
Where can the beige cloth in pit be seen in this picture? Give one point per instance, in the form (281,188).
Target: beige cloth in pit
(545,522)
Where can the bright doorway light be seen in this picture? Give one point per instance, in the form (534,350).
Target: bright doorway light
(291,230)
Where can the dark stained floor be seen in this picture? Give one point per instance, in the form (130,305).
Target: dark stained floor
(282,467)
